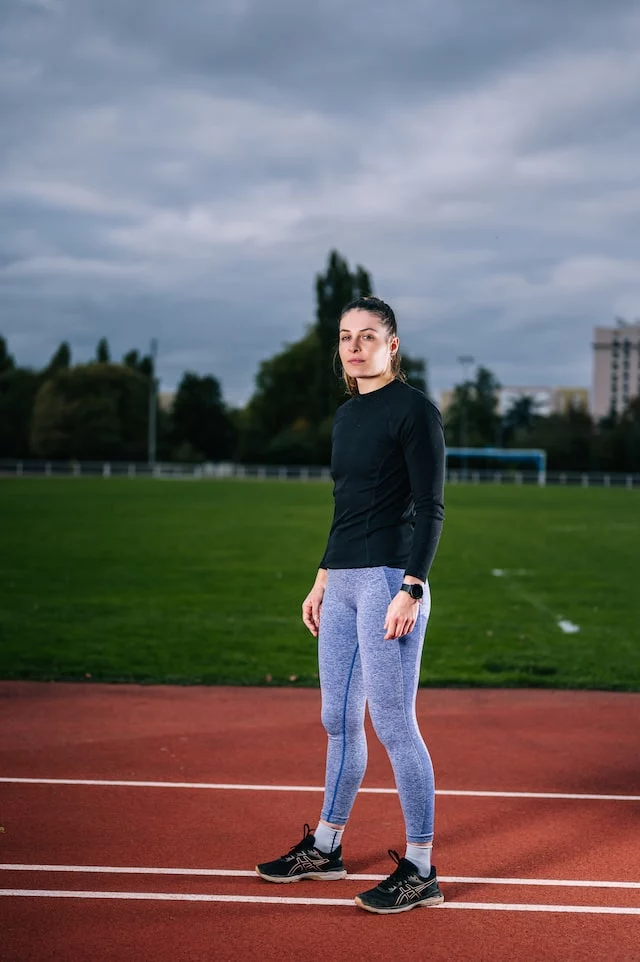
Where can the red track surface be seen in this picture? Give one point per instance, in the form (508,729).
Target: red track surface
(500,741)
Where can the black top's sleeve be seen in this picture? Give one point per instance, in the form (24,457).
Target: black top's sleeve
(323,563)
(423,445)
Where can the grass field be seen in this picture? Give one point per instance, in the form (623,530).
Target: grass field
(202,582)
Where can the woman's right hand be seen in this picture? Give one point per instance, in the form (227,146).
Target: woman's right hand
(313,603)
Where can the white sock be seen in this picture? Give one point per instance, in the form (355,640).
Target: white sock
(328,838)
(420,855)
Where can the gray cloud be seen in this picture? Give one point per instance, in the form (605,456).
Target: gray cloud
(181,171)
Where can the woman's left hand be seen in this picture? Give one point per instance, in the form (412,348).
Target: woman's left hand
(402,615)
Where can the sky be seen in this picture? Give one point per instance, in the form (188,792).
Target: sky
(181,171)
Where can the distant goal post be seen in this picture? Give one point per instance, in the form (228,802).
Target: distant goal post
(515,456)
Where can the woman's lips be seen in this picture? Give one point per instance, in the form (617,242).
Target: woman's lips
(354,360)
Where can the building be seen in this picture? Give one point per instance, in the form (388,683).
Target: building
(548,400)
(166,399)
(616,368)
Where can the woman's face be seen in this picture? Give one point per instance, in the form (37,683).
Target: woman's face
(365,346)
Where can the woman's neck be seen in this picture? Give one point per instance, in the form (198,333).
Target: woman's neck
(366,385)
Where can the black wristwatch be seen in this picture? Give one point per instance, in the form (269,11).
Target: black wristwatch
(416,591)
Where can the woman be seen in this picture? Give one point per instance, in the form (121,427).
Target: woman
(370,604)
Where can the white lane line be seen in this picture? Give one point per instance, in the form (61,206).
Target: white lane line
(274,900)
(226,786)
(245,873)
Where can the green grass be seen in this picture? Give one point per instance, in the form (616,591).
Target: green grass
(203,581)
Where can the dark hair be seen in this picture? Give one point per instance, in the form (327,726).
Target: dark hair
(383,312)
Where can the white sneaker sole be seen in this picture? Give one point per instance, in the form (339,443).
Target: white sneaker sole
(315,876)
(425,904)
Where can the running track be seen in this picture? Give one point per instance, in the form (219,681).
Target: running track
(538,828)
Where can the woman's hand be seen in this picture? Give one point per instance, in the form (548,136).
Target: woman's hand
(402,615)
(313,603)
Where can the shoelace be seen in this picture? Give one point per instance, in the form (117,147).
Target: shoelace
(400,873)
(302,844)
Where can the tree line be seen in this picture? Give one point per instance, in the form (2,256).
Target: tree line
(100,410)
(573,439)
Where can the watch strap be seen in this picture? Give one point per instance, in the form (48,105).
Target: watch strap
(410,591)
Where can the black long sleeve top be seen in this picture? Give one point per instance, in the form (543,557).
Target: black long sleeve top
(387,464)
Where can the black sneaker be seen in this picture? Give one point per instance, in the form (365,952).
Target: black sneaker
(403,890)
(304,861)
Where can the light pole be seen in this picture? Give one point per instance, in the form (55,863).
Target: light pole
(466,361)
(152,403)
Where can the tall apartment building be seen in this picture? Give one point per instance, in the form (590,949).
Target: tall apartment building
(616,368)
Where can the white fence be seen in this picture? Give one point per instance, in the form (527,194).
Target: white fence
(120,469)
(124,469)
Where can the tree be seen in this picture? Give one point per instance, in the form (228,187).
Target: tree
(568,439)
(143,364)
(416,372)
(61,360)
(102,351)
(18,388)
(472,418)
(90,412)
(334,289)
(299,389)
(520,418)
(200,418)
(7,363)
(284,387)
(132,359)
(625,439)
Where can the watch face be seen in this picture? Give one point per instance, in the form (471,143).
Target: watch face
(416,591)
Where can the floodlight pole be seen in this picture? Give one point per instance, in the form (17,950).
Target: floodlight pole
(152,404)
(466,361)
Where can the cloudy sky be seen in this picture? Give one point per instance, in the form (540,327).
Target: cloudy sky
(180,170)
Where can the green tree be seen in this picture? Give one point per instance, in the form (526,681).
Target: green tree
(299,389)
(7,363)
(472,418)
(568,439)
(200,418)
(625,439)
(18,388)
(284,389)
(334,289)
(61,360)
(132,359)
(143,364)
(103,355)
(520,418)
(416,372)
(91,412)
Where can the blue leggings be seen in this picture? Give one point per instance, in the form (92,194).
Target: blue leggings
(358,667)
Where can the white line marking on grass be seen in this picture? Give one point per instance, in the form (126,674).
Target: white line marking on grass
(275,900)
(226,786)
(568,626)
(245,873)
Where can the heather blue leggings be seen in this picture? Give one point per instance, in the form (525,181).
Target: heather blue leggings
(358,667)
